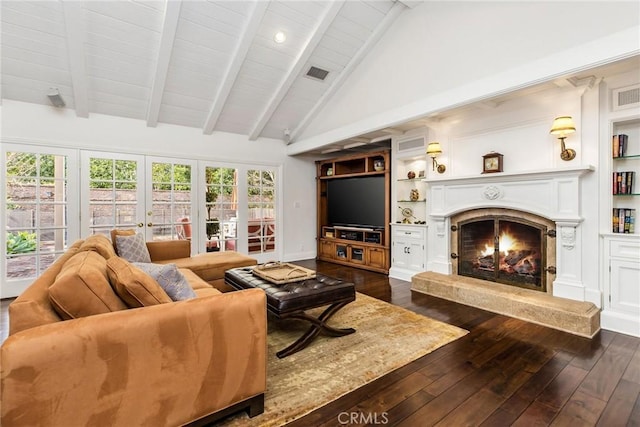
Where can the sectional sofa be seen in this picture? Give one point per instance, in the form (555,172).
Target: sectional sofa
(78,353)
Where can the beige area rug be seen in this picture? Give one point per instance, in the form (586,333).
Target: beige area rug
(387,337)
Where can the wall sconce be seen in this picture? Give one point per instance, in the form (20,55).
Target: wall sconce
(433,151)
(55,97)
(563,126)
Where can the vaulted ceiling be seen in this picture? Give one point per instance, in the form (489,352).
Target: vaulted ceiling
(212,65)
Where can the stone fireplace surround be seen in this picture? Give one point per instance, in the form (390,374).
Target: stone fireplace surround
(551,194)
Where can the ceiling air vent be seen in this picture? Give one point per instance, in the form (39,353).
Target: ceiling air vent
(317,73)
(626,97)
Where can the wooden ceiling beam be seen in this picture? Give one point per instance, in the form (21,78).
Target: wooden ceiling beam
(316,36)
(76,39)
(239,55)
(169,28)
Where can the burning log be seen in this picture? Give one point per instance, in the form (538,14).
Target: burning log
(486,262)
(525,267)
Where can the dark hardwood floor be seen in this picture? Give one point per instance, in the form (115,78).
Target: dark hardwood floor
(504,372)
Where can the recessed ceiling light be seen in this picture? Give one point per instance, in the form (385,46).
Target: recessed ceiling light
(280,37)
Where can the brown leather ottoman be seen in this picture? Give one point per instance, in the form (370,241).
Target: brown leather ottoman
(291,300)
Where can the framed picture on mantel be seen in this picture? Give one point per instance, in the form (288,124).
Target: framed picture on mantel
(492,162)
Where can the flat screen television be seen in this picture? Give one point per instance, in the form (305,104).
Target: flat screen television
(356,202)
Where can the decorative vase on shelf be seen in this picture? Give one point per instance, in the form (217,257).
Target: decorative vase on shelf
(414,195)
(329,171)
(378,164)
(411,174)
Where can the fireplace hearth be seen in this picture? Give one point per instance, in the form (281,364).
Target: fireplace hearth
(502,249)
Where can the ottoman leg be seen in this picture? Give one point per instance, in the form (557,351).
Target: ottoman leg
(318,325)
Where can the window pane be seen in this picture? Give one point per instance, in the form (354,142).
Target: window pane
(126,171)
(21,267)
(101,170)
(171,193)
(261,212)
(36,212)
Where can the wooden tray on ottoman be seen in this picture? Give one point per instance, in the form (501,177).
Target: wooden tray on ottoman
(283,272)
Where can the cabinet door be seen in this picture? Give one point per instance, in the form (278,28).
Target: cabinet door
(326,249)
(400,255)
(340,252)
(356,254)
(415,255)
(408,254)
(625,286)
(376,257)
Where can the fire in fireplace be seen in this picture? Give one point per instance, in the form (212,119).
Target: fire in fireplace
(503,249)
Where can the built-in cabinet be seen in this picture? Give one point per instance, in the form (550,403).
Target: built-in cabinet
(621,310)
(620,236)
(356,245)
(409,250)
(409,210)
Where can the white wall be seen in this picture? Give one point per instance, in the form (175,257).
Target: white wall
(24,122)
(443,54)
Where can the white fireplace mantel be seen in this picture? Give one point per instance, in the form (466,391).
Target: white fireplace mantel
(553,194)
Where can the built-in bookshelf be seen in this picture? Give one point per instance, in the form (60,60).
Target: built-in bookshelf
(625,154)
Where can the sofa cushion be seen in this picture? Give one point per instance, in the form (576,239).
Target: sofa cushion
(194,280)
(82,288)
(133,248)
(116,232)
(134,286)
(170,279)
(212,265)
(206,292)
(33,307)
(100,244)
(169,250)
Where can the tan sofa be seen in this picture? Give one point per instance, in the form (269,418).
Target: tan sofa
(169,364)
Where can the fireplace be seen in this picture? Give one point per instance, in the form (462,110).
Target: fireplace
(505,246)
(503,249)
(538,209)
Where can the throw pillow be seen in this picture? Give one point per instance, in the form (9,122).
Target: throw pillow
(82,288)
(133,248)
(170,279)
(134,286)
(119,232)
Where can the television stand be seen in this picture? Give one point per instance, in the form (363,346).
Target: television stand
(363,247)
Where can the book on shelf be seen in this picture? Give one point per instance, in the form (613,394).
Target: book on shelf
(619,145)
(623,182)
(623,220)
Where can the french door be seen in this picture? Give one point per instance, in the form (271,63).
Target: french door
(239,210)
(40,214)
(151,194)
(262,239)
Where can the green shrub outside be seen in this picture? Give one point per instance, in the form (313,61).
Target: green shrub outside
(21,242)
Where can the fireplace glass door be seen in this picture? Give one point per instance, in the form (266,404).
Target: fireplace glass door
(504,250)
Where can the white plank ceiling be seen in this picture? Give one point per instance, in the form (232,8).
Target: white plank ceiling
(213,65)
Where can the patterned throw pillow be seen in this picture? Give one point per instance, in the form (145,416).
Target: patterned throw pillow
(170,279)
(133,248)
